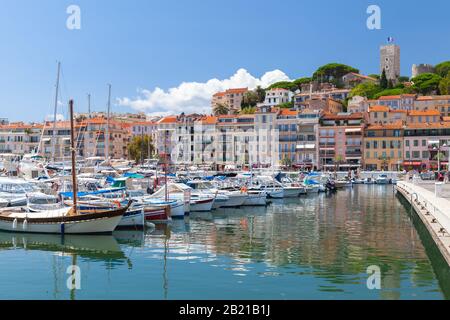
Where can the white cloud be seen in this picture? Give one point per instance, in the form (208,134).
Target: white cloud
(50,117)
(195,96)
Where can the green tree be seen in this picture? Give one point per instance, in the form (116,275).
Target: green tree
(286,105)
(300,81)
(338,160)
(248,110)
(288,85)
(442,69)
(388,92)
(286,161)
(249,100)
(383,80)
(366,89)
(444,85)
(403,79)
(221,109)
(333,72)
(426,83)
(139,147)
(261,93)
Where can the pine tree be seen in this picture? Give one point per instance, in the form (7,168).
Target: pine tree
(383,81)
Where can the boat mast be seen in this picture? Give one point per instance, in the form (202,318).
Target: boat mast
(73,151)
(107,124)
(55,112)
(89,105)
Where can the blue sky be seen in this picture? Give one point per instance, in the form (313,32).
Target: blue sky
(143,44)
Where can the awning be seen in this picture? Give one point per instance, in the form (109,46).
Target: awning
(353,130)
(412,163)
(46,139)
(306,146)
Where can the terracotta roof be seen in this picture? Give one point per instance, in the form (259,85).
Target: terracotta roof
(379,109)
(424,125)
(169,119)
(144,123)
(237,90)
(389,97)
(219,94)
(431,112)
(209,120)
(363,76)
(395,125)
(424,98)
(288,112)
(21,125)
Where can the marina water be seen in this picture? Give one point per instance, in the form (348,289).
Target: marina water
(312,247)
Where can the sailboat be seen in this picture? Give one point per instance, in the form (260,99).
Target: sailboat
(64,220)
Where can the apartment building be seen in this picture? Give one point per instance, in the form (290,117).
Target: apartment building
(232,98)
(277,96)
(383,146)
(20,138)
(335,94)
(384,115)
(92,138)
(287,125)
(422,142)
(398,102)
(340,140)
(326,105)
(439,103)
(307,141)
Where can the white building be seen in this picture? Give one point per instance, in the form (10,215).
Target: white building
(277,96)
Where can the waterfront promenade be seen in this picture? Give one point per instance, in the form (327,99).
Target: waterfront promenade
(432,204)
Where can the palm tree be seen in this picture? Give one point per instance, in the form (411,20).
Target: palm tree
(248,110)
(221,109)
(384,162)
(337,161)
(440,156)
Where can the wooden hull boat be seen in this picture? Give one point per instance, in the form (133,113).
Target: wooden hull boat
(61,221)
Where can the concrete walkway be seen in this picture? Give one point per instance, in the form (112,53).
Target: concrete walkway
(433,211)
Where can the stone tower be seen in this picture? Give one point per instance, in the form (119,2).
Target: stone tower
(390,61)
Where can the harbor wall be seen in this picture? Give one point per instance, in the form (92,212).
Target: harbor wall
(433,211)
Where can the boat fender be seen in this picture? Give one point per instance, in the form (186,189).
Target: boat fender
(117,203)
(14,226)
(25,224)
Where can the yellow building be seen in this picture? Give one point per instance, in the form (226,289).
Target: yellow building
(383,146)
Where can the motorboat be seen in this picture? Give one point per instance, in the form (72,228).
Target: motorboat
(223,198)
(256,198)
(201,203)
(382,179)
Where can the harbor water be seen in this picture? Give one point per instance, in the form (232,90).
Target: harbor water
(312,247)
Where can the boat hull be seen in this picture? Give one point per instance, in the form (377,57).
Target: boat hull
(256,200)
(202,205)
(133,218)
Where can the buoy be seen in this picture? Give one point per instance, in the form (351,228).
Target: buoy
(149,225)
(25,224)
(14,226)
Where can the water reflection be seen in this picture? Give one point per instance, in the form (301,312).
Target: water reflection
(314,247)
